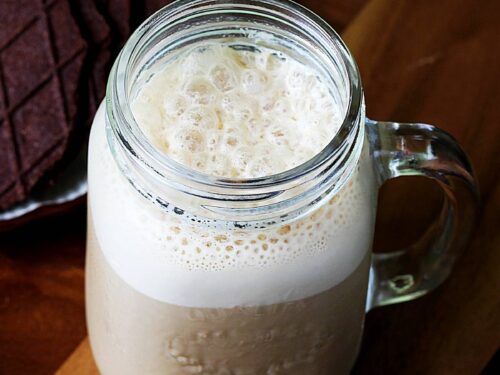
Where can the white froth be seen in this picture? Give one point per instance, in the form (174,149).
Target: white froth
(177,262)
(235,113)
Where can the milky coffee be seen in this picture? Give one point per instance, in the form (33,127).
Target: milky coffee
(166,296)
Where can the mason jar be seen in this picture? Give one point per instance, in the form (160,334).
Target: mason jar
(187,273)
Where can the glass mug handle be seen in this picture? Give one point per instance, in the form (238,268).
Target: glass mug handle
(400,149)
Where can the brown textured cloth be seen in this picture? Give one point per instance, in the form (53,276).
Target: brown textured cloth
(55,56)
(41,58)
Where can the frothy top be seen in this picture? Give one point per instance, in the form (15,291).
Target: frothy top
(237,113)
(231,113)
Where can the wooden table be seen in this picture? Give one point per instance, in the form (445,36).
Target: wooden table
(421,60)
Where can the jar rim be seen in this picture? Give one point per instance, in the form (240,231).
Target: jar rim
(182,178)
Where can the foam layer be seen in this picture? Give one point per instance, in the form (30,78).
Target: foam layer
(176,262)
(236,113)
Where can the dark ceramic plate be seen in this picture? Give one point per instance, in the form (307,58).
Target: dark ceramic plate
(65,191)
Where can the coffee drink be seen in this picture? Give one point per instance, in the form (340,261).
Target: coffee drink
(173,293)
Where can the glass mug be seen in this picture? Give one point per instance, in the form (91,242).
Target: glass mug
(191,274)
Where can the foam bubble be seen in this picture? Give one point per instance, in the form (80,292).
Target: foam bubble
(241,100)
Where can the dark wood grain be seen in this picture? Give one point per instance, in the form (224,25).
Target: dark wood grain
(434,62)
(42,315)
(428,61)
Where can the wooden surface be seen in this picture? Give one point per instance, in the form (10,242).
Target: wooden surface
(427,61)
(80,362)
